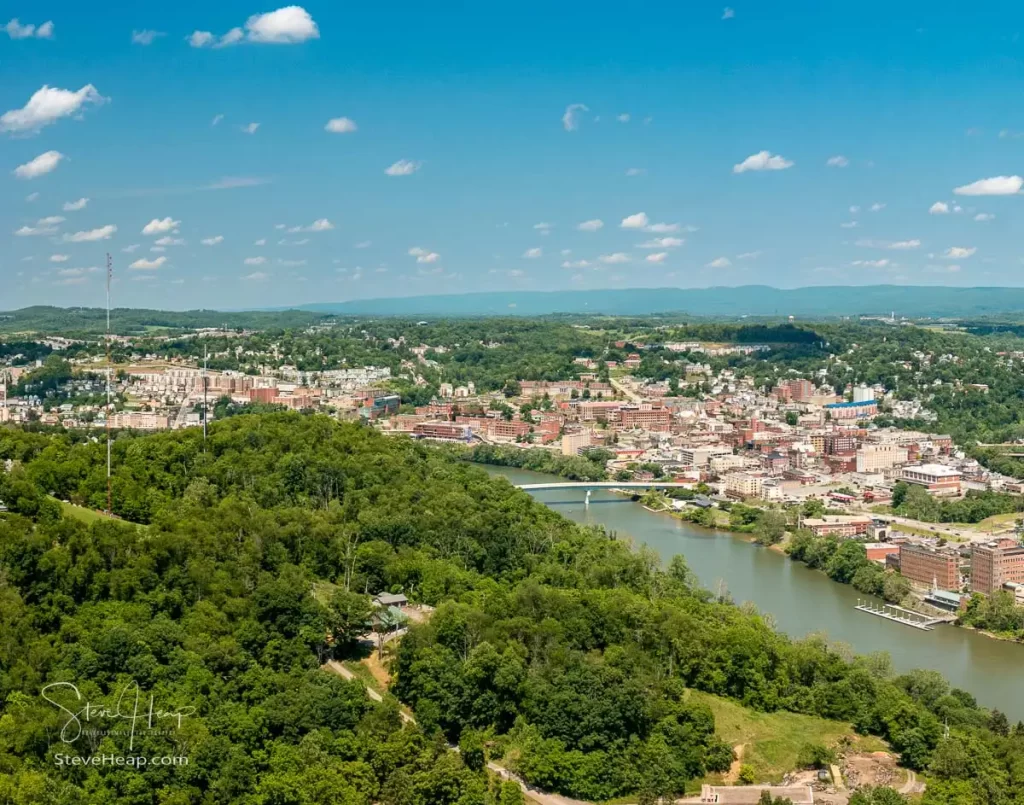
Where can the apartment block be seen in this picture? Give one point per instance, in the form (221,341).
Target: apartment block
(927,566)
(834,525)
(995,563)
(878,457)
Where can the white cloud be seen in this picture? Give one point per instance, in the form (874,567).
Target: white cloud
(212,241)
(291,263)
(404,167)
(59,258)
(257,276)
(216,119)
(984,216)
(167,240)
(657,257)
(341,125)
(877,206)
(250,128)
(42,164)
(145,36)
(51,220)
(319,225)
(142,264)
(881,263)
(575,264)
(661,229)
(88,236)
(286,26)
(719,262)
(48,105)
(290,25)
(200,39)
(623,118)
(130,248)
(661,243)
(31,231)
(424,256)
(31,197)
(364,244)
(232,37)
(748,255)
(533,254)
(15,30)
(570,119)
(635,171)
(728,13)
(543,227)
(260,242)
(887,244)
(939,208)
(854,209)
(590,226)
(637,220)
(614,259)
(959,252)
(159,226)
(74,206)
(995,186)
(838,161)
(762,161)
(849,225)
(157,249)
(254,261)
(76,272)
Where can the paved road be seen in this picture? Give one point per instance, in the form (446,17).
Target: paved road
(623,390)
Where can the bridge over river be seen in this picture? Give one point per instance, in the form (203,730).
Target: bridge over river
(605,485)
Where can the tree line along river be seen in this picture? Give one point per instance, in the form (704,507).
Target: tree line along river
(801,600)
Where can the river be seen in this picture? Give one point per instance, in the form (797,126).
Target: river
(801,600)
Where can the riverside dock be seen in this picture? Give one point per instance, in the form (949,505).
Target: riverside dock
(900,615)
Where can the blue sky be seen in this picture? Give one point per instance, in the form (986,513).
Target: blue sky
(909,101)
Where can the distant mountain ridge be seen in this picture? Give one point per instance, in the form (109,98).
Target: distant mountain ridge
(745,300)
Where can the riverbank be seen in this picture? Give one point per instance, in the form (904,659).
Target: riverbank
(799,601)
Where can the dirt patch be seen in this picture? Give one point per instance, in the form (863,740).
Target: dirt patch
(873,768)
(380,673)
(733,774)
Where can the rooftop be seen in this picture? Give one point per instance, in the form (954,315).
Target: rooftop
(751,794)
(934,469)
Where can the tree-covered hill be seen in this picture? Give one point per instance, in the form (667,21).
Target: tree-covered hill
(558,646)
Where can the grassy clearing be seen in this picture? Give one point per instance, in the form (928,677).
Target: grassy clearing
(772,741)
(997,522)
(87,516)
(323,590)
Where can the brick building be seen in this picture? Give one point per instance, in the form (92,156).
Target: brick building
(995,563)
(645,416)
(927,566)
(833,525)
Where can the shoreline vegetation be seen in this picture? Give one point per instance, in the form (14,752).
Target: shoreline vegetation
(570,653)
(842,565)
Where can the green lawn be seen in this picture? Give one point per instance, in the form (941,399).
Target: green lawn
(87,516)
(772,741)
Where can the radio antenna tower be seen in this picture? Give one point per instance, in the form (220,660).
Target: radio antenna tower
(110,273)
(206,356)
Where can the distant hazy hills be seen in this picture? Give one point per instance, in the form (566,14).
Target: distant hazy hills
(750,300)
(747,300)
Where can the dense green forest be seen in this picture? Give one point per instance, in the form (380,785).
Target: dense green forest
(565,650)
